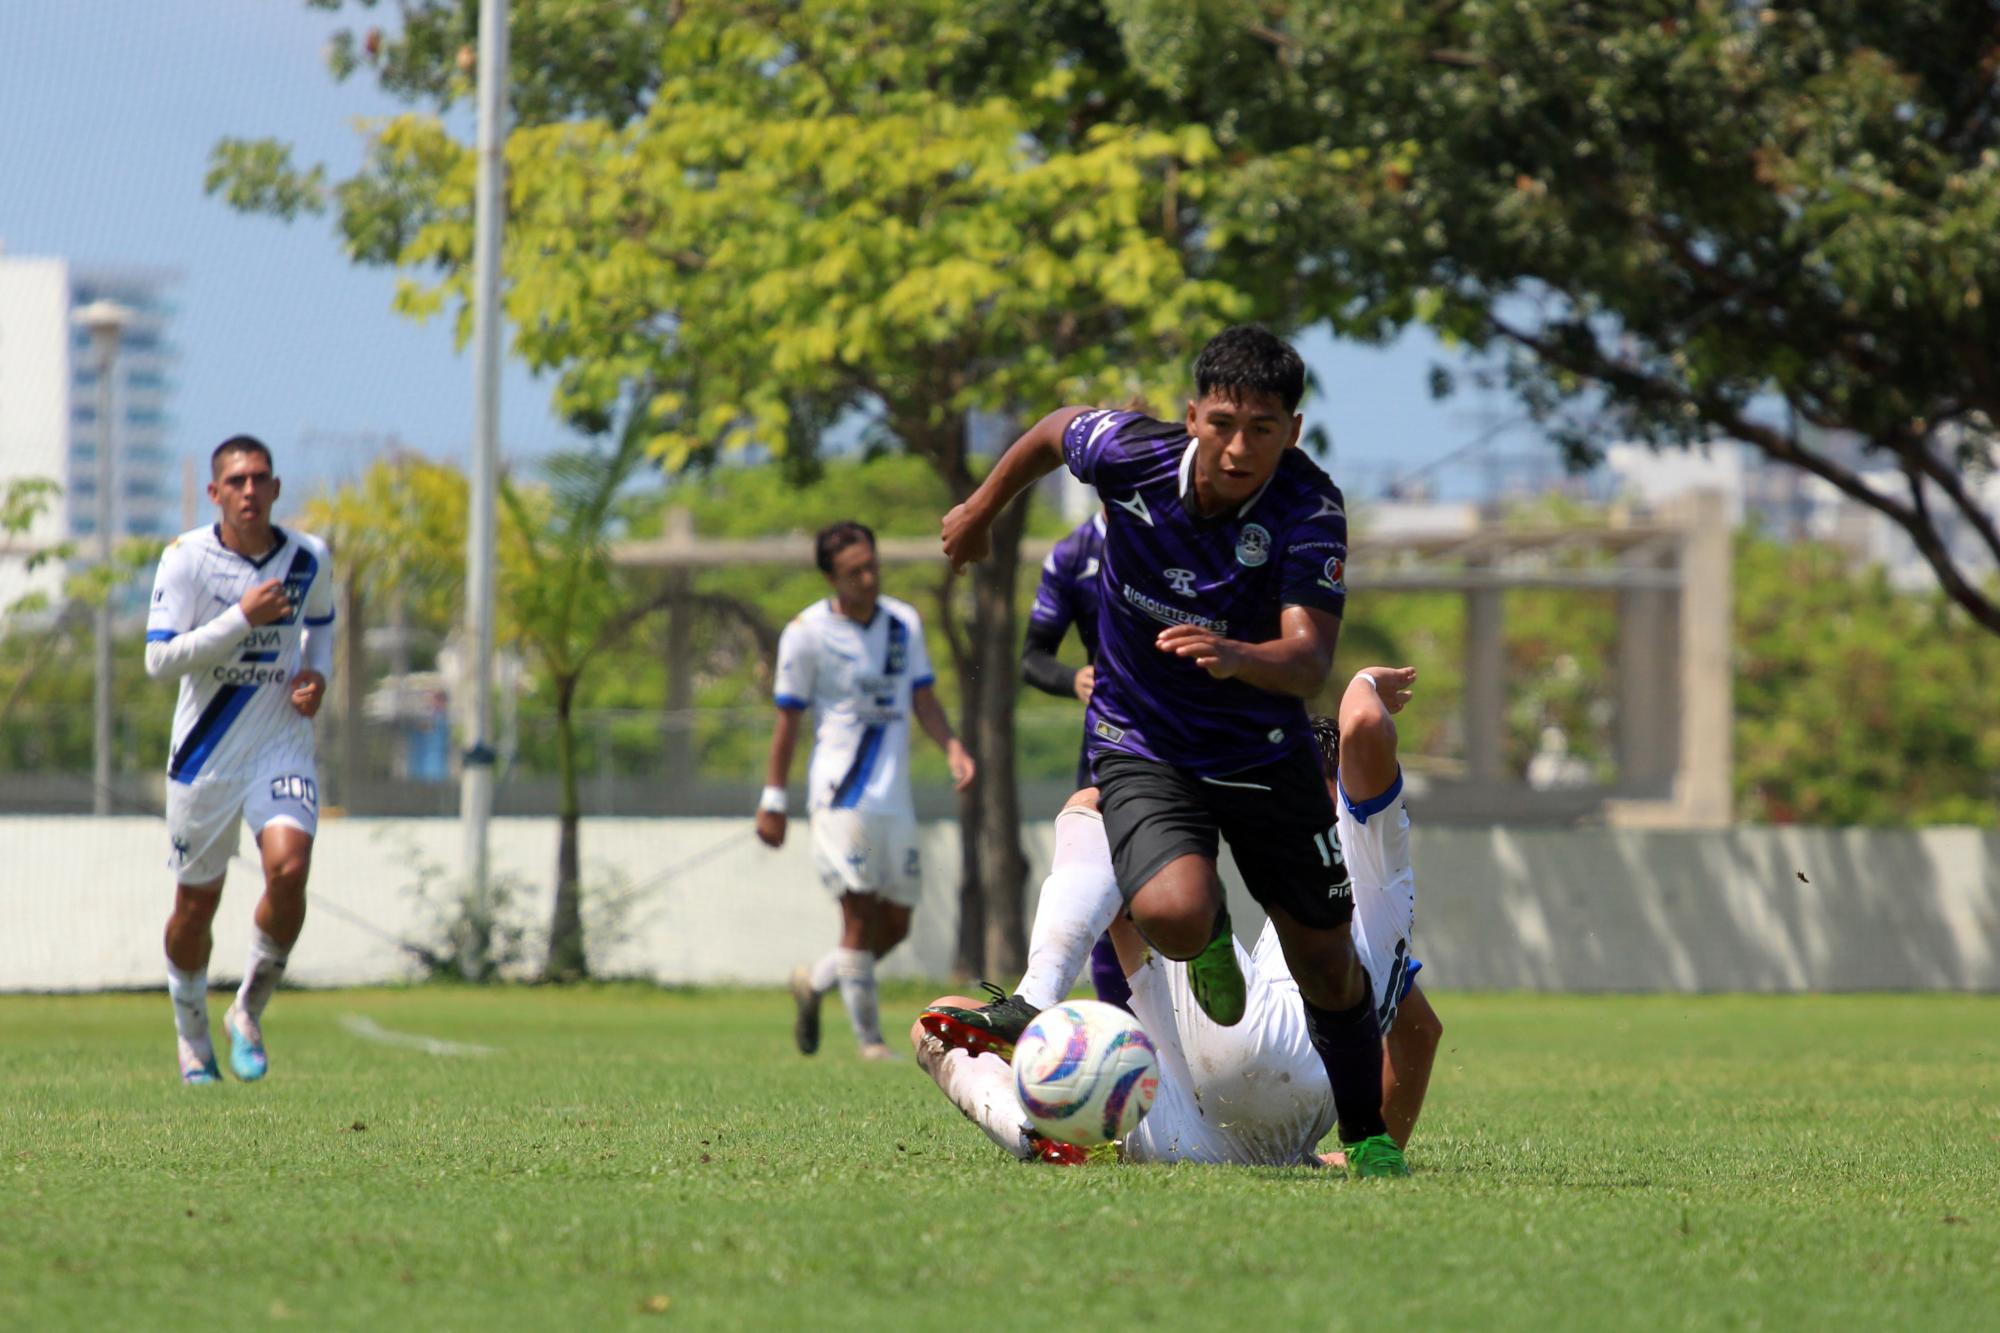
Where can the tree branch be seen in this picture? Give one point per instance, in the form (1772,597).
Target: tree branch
(1914,518)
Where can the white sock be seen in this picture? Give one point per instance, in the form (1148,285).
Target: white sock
(826,972)
(856,968)
(189,992)
(982,1088)
(1079,902)
(261,974)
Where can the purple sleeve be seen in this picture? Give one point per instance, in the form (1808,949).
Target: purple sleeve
(1055,596)
(1090,442)
(1312,569)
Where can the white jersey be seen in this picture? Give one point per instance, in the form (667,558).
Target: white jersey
(859,679)
(1256,1094)
(235,718)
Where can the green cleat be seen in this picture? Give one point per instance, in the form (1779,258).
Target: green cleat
(1377,1156)
(1215,978)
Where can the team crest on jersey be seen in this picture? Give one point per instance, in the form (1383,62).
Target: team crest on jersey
(1090,568)
(1335,574)
(1253,545)
(1181,580)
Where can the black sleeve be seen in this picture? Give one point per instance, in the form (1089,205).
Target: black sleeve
(1038,662)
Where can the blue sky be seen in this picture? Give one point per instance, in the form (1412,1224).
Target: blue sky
(111,108)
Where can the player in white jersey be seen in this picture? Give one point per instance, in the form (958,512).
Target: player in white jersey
(858,660)
(1255,1093)
(242,612)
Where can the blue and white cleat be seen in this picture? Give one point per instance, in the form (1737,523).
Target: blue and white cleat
(197,1069)
(246,1045)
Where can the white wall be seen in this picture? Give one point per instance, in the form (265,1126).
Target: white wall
(84,900)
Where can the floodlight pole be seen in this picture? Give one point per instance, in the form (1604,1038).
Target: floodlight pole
(476,777)
(106,321)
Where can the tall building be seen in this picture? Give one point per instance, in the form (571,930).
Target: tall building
(49,425)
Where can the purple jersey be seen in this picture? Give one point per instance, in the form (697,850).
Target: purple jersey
(1068,592)
(1234,574)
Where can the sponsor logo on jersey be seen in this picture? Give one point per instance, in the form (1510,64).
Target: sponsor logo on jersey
(1110,733)
(236,674)
(1274,735)
(1328,505)
(1171,615)
(1137,506)
(1335,574)
(1253,545)
(1181,580)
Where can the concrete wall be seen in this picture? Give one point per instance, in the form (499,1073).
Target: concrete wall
(83,901)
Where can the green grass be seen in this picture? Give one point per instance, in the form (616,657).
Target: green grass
(1585,1162)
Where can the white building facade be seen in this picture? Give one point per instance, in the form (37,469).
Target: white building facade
(49,402)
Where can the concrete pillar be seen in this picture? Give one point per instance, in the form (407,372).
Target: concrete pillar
(677,734)
(1485,686)
(1704,786)
(1648,690)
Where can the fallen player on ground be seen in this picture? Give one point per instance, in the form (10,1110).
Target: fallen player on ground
(1254,1093)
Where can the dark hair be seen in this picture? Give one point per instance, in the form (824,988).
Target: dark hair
(837,537)
(239,444)
(1326,735)
(1246,359)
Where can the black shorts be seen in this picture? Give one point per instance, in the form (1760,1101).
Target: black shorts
(1278,820)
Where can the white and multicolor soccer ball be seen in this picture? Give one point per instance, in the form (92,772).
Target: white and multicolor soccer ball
(1086,1073)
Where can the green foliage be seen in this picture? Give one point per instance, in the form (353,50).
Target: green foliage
(1855,703)
(1660,220)
(1586,1163)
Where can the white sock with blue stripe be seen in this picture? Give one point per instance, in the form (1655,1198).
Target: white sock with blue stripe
(856,968)
(189,992)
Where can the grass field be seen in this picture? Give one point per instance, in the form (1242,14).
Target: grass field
(626,1157)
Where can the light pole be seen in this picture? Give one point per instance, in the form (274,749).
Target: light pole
(106,321)
(489,218)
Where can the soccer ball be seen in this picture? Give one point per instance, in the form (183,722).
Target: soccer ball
(1086,1073)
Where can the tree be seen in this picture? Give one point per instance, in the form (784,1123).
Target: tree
(398,538)
(1665,222)
(913,210)
(560,601)
(566,604)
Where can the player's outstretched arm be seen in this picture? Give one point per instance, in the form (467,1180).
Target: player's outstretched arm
(930,716)
(1294,663)
(1368,762)
(966,530)
(778,777)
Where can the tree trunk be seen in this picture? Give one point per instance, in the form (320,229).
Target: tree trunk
(566,959)
(995,837)
(970,958)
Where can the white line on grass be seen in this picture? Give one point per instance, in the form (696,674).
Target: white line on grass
(369,1030)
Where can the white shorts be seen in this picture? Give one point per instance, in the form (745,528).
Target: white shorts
(1250,1095)
(861,851)
(204,816)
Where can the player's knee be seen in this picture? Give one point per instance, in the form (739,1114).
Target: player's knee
(288,872)
(1177,916)
(194,906)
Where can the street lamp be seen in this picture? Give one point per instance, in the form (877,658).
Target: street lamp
(106,321)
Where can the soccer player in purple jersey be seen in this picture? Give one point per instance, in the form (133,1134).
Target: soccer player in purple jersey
(1222,582)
